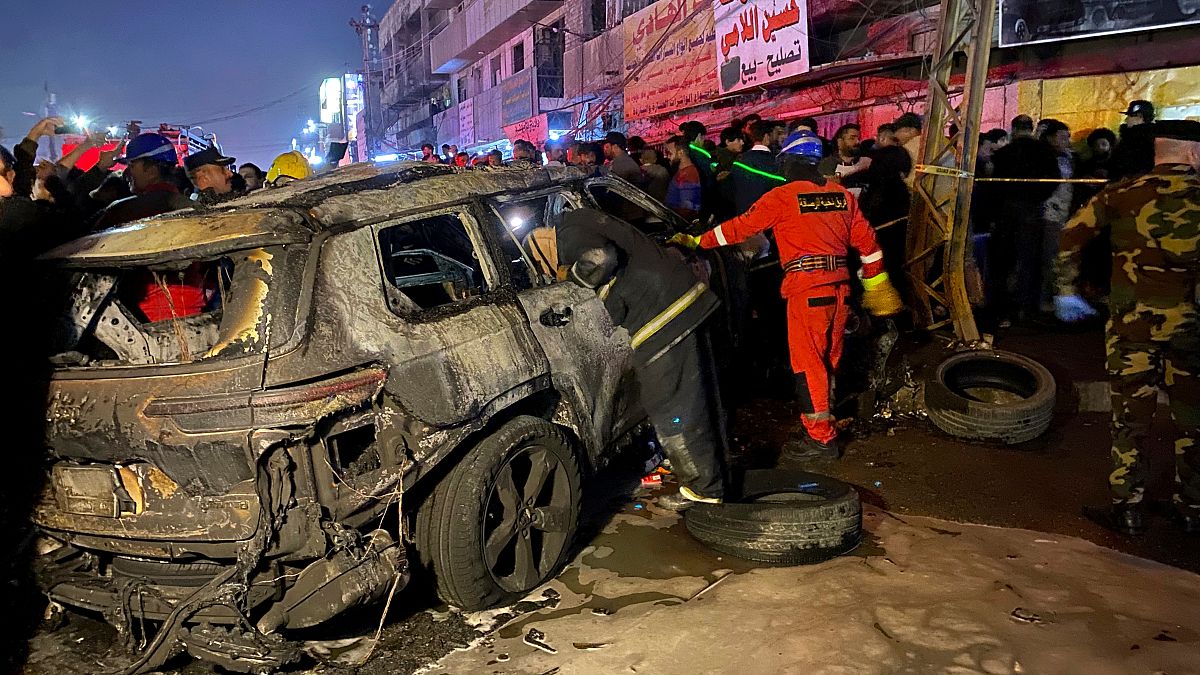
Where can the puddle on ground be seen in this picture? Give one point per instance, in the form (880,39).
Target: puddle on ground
(659,551)
(650,552)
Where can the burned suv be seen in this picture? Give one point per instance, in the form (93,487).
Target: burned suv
(256,409)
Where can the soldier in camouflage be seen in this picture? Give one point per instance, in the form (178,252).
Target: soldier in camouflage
(1153,334)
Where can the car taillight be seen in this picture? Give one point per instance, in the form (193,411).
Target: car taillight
(286,406)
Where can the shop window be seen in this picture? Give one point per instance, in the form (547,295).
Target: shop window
(462,89)
(496,71)
(429,263)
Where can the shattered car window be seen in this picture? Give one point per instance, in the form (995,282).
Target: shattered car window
(613,202)
(178,312)
(431,262)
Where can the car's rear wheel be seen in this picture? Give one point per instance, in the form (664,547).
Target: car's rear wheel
(502,521)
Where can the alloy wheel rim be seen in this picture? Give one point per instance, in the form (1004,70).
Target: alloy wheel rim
(526,518)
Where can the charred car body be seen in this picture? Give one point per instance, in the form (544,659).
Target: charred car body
(375,358)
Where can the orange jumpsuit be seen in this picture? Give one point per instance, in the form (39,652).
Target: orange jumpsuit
(822,222)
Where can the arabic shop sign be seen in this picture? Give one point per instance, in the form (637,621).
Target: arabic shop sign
(675,40)
(516,98)
(536,130)
(760,41)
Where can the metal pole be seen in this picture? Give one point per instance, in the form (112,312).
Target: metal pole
(940,218)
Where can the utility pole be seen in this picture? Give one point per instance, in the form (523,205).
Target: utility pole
(368,30)
(937,236)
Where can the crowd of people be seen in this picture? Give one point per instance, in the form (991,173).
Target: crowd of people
(1020,217)
(43,203)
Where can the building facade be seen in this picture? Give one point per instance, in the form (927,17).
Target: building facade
(541,69)
(411,92)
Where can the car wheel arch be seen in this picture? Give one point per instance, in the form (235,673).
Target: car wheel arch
(546,404)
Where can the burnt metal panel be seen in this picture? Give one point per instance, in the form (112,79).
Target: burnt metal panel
(183,236)
(445,364)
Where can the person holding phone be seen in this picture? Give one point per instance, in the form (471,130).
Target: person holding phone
(28,226)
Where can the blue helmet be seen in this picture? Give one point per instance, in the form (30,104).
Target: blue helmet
(150,146)
(804,143)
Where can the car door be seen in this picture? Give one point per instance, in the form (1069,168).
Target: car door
(620,198)
(589,356)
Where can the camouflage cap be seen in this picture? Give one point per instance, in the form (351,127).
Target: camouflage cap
(1180,130)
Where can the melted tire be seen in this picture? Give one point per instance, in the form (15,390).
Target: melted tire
(449,524)
(953,409)
(785,518)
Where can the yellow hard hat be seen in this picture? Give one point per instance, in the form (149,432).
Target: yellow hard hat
(291,164)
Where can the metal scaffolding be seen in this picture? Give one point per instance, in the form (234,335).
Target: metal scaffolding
(938,241)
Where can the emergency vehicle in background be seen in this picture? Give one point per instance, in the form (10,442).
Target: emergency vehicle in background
(185,139)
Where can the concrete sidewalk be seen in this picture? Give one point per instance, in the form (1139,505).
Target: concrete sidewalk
(920,595)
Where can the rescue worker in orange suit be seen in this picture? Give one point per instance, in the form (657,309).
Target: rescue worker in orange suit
(816,223)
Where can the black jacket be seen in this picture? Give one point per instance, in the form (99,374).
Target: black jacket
(885,194)
(1134,154)
(749,186)
(141,206)
(1025,157)
(648,280)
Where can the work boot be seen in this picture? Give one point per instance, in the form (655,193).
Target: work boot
(1123,518)
(684,499)
(805,448)
(1186,518)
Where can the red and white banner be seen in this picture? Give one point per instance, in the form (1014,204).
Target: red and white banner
(536,130)
(760,41)
(669,57)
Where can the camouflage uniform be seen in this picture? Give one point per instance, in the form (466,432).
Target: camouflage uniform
(1153,336)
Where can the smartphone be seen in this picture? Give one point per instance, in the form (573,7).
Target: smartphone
(67,129)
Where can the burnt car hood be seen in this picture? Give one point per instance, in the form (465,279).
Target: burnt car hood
(183,235)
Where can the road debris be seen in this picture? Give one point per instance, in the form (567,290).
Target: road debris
(535,638)
(1025,616)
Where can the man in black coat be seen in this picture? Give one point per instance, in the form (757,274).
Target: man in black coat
(1017,240)
(756,172)
(653,294)
(1134,154)
(150,160)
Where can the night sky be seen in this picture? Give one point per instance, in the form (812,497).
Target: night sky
(178,62)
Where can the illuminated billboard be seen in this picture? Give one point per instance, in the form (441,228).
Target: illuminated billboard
(1025,22)
(331,100)
(355,102)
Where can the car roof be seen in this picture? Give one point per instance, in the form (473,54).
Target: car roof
(354,193)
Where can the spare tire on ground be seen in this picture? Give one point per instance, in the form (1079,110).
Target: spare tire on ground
(991,396)
(783,517)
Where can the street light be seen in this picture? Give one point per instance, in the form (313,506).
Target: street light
(310,127)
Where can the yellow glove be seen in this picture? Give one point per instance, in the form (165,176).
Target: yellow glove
(880,297)
(688,240)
